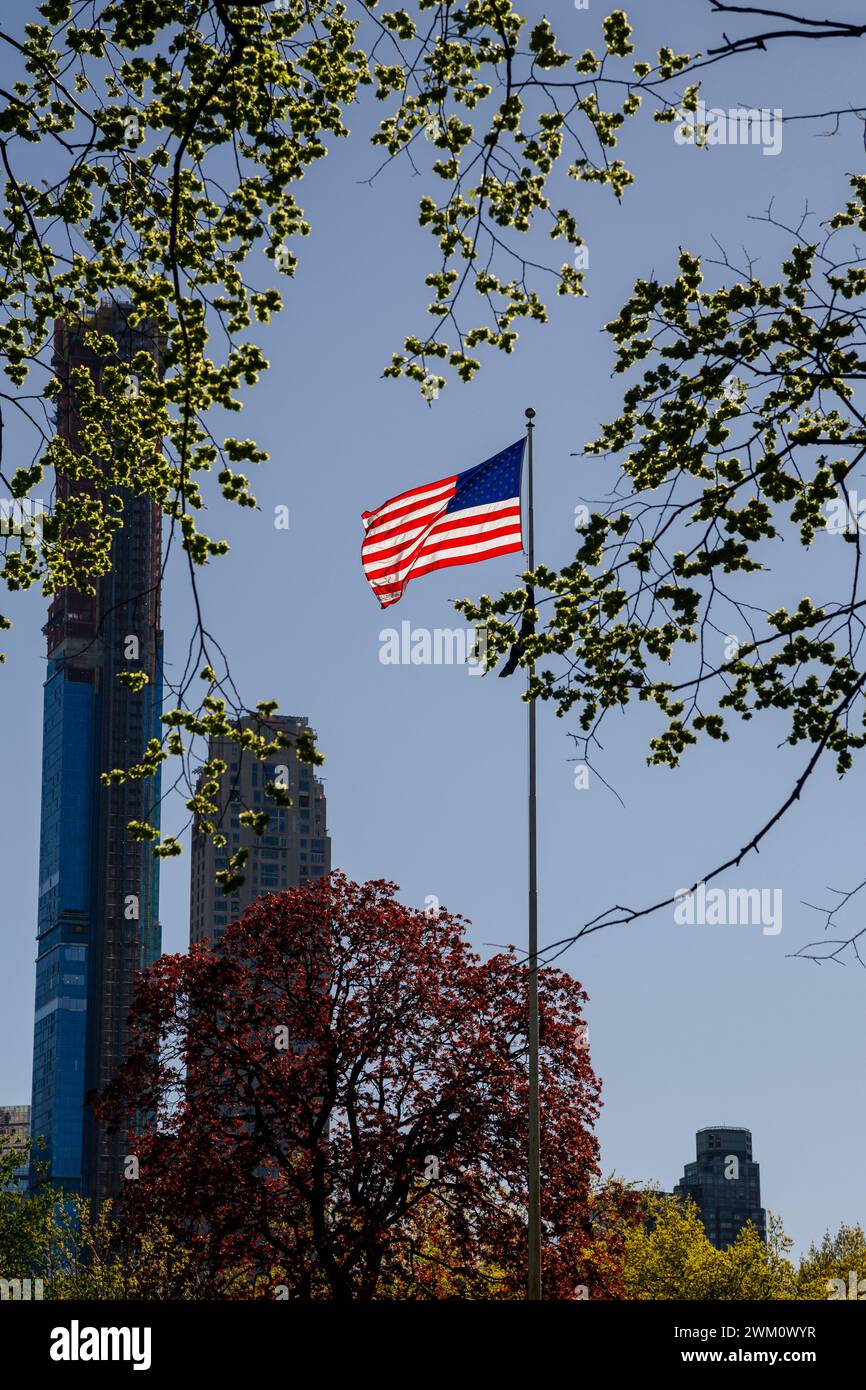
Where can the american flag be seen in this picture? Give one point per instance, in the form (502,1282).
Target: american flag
(467,517)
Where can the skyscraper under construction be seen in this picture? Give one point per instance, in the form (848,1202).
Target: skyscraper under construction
(98,913)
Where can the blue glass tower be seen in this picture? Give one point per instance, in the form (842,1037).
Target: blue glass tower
(98,913)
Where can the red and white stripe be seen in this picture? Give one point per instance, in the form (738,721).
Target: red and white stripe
(412,534)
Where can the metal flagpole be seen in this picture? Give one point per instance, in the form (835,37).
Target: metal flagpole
(533,1290)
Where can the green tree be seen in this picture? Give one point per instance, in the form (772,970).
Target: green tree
(836,1267)
(670,1257)
(740,434)
(738,441)
(25,1223)
(78,1252)
(171,138)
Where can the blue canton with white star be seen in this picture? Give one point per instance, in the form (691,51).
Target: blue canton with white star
(495,480)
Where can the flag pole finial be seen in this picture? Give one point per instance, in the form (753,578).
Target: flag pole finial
(529,413)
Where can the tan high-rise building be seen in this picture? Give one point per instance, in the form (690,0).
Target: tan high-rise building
(295,848)
(15,1124)
(14,1133)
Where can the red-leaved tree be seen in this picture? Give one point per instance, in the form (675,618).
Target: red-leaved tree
(336,1108)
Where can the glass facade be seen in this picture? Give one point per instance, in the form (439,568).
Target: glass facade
(65,880)
(15,1131)
(98,907)
(725,1183)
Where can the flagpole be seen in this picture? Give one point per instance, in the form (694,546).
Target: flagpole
(533,1291)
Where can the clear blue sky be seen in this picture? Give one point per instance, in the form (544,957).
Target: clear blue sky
(425,766)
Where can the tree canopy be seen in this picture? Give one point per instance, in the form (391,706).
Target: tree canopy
(336,1102)
(173,137)
(668,1256)
(739,440)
